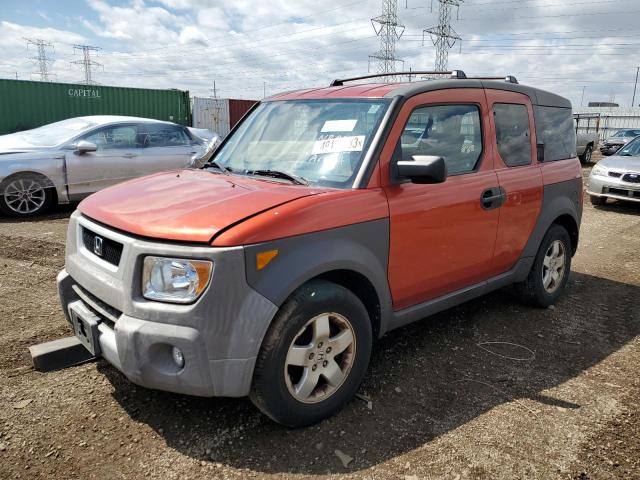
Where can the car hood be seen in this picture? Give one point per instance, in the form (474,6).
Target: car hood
(617,162)
(187,205)
(17,143)
(618,140)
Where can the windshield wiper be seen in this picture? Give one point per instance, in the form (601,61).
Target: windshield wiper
(222,168)
(278,174)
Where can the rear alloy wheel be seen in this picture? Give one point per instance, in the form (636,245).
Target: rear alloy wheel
(25,196)
(314,356)
(550,271)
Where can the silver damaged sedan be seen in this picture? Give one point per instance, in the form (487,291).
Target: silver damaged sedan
(617,176)
(69,160)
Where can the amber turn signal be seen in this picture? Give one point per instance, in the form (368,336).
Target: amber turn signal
(263,258)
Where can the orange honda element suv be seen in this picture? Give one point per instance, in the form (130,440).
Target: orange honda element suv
(328,217)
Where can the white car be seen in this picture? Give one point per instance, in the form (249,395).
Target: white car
(71,159)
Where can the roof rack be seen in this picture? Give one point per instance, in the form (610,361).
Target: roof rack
(507,78)
(455,74)
(459,74)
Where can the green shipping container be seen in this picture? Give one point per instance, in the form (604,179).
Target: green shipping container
(26,104)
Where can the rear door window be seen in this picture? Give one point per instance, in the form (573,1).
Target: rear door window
(555,129)
(162,135)
(512,133)
(449,131)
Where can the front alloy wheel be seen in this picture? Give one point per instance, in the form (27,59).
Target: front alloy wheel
(25,196)
(320,358)
(314,355)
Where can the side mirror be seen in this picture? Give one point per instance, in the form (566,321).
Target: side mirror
(423,169)
(84,147)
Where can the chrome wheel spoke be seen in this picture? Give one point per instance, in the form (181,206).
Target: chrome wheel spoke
(307,384)
(341,342)
(333,374)
(321,329)
(299,356)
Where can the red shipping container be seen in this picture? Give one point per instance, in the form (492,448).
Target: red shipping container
(237,109)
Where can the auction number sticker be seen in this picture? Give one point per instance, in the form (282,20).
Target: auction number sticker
(353,143)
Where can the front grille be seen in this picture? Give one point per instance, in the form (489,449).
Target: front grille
(110,252)
(615,174)
(624,193)
(631,178)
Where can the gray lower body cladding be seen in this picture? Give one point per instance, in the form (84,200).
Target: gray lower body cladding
(220,334)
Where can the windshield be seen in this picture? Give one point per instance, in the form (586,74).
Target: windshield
(627,133)
(320,141)
(630,149)
(54,133)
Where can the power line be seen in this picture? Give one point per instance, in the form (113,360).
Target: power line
(86,62)
(387,27)
(443,36)
(41,59)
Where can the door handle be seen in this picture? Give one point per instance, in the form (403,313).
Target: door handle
(129,155)
(493,198)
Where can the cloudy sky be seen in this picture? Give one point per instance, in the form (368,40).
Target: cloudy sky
(248,47)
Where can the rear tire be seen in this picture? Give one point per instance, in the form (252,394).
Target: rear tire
(307,369)
(585,158)
(597,201)
(550,271)
(26,195)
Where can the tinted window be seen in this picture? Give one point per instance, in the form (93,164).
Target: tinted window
(554,126)
(512,133)
(162,135)
(116,137)
(449,131)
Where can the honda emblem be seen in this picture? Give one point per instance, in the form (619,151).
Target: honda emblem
(97,246)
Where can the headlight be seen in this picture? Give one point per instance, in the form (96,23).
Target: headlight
(599,170)
(174,280)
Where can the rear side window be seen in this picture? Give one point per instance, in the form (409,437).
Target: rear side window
(555,129)
(512,133)
(449,131)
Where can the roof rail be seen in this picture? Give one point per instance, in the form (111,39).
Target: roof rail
(459,74)
(508,78)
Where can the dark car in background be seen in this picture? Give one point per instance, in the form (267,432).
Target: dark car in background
(618,140)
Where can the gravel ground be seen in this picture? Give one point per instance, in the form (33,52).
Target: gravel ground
(488,390)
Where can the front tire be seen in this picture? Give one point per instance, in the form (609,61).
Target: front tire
(26,195)
(550,271)
(314,355)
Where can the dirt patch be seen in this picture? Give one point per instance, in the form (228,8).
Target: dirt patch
(491,389)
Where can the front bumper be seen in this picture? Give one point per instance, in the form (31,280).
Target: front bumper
(611,187)
(219,335)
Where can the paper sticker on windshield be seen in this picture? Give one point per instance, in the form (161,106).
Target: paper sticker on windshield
(339,125)
(374,108)
(339,144)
